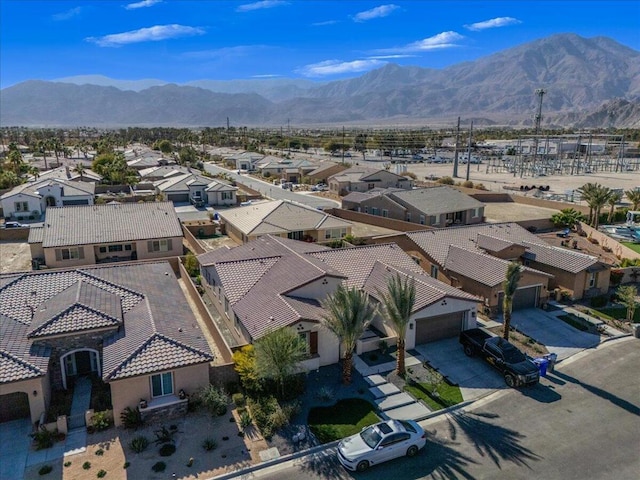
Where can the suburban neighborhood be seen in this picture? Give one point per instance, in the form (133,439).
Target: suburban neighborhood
(214,285)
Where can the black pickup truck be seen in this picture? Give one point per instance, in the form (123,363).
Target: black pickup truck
(516,367)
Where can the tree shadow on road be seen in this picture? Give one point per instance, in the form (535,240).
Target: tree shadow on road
(490,440)
(620,402)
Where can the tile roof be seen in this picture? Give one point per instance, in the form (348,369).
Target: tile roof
(436,243)
(436,200)
(66,173)
(487,269)
(494,244)
(182,182)
(70,188)
(262,279)
(36,234)
(158,330)
(98,224)
(278,217)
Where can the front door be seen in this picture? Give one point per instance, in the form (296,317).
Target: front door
(83,362)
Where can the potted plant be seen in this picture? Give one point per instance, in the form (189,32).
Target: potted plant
(143,403)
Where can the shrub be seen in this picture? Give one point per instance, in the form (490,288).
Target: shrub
(126,465)
(100,452)
(445,181)
(67,464)
(167,450)
(164,435)
(215,399)
(238,400)
(597,302)
(131,418)
(159,467)
(101,473)
(480,186)
(86,465)
(191,265)
(101,421)
(467,184)
(616,277)
(209,444)
(139,444)
(45,470)
(245,420)
(325,394)
(44,438)
(383,346)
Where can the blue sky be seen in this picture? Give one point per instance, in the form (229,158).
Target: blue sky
(182,40)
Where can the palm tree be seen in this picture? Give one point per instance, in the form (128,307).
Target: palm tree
(398,304)
(79,169)
(634,197)
(600,198)
(348,314)
(567,218)
(614,198)
(278,354)
(509,287)
(586,193)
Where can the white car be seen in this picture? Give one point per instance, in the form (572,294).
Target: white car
(381,442)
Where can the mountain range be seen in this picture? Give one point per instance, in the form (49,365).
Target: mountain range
(588,82)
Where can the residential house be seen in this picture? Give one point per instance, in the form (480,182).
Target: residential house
(69,174)
(324,171)
(149,159)
(197,189)
(245,160)
(473,257)
(86,235)
(440,206)
(30,200)
(275,283)
(286,169)
(363,179)
(164,172)
(284,219)
(129,325)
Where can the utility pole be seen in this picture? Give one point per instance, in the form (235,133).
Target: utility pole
(455,151)
(538,119)
(343,144)
(469,150)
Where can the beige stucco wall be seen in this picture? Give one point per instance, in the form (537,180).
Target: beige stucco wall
(143,251)
(37,403)
(328,345)
(441,308)
(8,205)
(128,391)
(51,262)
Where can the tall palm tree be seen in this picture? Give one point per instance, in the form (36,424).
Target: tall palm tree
(398,302)
(79,169)
(349,312)
(634,197)
(509,287)
(600,198)
(614,198)
(586,193)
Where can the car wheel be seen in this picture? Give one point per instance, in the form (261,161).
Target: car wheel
(510,380)
(412,451)
(362,466)
(468,350)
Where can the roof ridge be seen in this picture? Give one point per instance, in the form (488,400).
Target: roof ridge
(20,361)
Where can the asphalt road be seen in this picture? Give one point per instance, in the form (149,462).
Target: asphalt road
(273,191)
(582,422)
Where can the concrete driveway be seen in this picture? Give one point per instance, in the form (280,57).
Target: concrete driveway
(14,448)
(559,337)
(474,376)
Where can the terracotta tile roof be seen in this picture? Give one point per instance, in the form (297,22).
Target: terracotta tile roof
(98,224)
(561,258)
(144,300)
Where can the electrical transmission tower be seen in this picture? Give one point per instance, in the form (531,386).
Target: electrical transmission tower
(538,119)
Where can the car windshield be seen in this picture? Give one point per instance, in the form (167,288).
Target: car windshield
(371,436)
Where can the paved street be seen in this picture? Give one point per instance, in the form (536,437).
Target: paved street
(581,422)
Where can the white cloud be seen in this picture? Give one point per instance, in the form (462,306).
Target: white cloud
(272,75)
(142,4)
(327,22)
(437,42)
(150,34)
(247,7)
(493,23)
(378,12)
(333,67)
(391,57)
(72,12)
(226,52)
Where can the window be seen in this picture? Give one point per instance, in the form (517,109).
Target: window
(162,384)
(163,245)
(21,206)
(72,253)
(408,216)
(127,247)
(385,213)
(422,219)
(366,209)
(476,212)
(227,195)
(434,271)
(593,279)
(335,233)
(374,211)
(295,235)
(115,248)
(371,186)
(103,249)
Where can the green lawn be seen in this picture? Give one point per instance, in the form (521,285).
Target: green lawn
(574,322)
(447,395)
(618,313)
(345,418)
(633,246)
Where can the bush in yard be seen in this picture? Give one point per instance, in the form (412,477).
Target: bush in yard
(191,265)
(159,467)
(44,438)
(209,444)
(167,450)
(101,421)
(164,435)
(101,473)
(45,470)
(238,400)
(215,399)
(139,444)
(86,465)
(245,420)
(599,301)
(131,418)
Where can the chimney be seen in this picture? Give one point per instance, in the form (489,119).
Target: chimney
(66,169)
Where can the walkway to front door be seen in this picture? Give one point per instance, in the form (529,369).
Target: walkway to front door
(81,402)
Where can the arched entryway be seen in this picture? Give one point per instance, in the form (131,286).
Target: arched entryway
(50,201)
(79,363)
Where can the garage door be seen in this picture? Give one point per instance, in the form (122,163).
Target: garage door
(431,329)
(524,298)
(75,202)
(14,406)
(178,197)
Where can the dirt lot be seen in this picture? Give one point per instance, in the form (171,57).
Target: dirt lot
(14,257)
(231,454)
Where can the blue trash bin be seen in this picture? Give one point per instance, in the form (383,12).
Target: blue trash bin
(542,364)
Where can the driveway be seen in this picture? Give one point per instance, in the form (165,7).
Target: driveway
(474,376)
(14,448)
(559,337)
